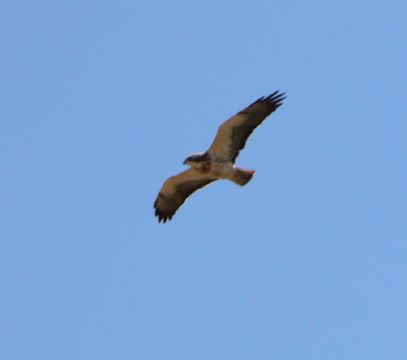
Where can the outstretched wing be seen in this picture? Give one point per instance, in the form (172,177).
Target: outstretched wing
(176,190)
(234,132)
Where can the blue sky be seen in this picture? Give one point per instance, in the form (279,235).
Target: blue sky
(102,101)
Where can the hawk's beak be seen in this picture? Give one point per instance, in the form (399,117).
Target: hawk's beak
(185,161)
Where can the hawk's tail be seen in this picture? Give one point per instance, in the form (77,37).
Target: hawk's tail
(242,176)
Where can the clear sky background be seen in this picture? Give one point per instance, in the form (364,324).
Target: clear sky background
(101,101)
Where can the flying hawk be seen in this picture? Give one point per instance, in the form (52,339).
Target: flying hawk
(218,161)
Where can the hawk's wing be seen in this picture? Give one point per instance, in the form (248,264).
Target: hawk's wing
(176,190)
(234,132)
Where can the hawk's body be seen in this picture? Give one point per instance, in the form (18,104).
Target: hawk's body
(218,161)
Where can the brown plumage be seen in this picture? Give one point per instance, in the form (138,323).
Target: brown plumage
(234,132)
(176,190)
(218,161)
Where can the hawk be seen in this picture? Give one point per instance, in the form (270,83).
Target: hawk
(218,161)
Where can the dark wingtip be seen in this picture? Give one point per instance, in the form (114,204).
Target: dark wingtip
(161,215)
(276,98)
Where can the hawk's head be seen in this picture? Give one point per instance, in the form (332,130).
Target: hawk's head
(196,159)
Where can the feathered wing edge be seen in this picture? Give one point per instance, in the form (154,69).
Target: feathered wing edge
(176,190)
(234,132)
